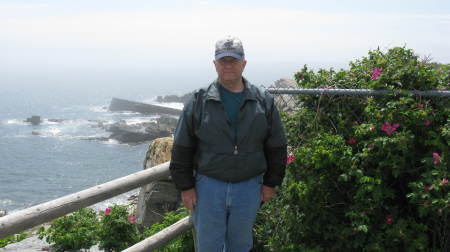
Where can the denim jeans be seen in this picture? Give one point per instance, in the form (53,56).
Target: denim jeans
(225,213)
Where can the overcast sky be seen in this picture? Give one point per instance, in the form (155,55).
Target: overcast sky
(98,41)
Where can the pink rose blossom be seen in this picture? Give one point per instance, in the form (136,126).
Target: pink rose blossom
(351,140)
(444,181)
(290,158)
(389,219)
(427,122)
(388,128)
(428,188)
(437,158)
(132,219)
(376,72)
(107,211)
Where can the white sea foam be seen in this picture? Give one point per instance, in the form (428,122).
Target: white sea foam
(139,120)
(121,199)
(99,109)
(15,122)
(175,105)
(111,142)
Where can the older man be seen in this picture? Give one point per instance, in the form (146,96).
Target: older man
(229,154)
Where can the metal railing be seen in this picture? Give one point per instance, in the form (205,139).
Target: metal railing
(357,92)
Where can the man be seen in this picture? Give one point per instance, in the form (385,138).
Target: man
(229,154)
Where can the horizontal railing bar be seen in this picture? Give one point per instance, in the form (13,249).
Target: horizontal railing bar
(162,237)
(24,219)
(358,92)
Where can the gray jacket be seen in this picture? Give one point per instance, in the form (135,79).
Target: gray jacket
(205,142)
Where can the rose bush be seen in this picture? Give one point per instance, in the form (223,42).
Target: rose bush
(366,173)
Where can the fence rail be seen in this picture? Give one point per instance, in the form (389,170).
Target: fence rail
(356,92)
(21,220)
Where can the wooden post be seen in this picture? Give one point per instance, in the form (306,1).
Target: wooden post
(162,237)
(21,220)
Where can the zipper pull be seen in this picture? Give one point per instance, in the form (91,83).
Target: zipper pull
(235,150)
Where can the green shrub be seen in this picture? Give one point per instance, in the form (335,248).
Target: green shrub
(117,229)
(369,173)
(72,232)
(12,239)
(183,243)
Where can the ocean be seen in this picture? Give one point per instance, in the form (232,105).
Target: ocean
(43,162)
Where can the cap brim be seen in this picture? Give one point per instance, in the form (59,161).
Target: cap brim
(231,54)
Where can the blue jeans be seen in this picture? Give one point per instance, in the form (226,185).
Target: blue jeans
(225,213)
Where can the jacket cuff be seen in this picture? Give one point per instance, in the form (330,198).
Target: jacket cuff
(276,165)
(181,167)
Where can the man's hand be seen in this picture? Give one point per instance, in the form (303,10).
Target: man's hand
(189,198)
(267,193)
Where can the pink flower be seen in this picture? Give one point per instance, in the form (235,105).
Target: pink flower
(437,158)
(290,158)
(376,72)
(427,122)
(444,181)
(389,219)
(107,211)
(132,219)
(351,140)
(428,188)
(388,128)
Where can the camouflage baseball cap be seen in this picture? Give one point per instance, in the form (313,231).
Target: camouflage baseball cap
(229,46)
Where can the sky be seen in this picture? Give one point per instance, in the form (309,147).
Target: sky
(169,45)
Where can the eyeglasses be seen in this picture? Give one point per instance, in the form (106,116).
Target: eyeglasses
(228,60)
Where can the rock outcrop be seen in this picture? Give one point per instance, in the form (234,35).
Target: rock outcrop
(141,132)
(2,213)
(174,98)
(34,120)
(161,196)
(143,108)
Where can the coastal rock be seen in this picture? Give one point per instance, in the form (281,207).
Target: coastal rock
(34,120)
(143,108)
(57,120)
(161,196)
(2,213)
(141,132)
(174,98)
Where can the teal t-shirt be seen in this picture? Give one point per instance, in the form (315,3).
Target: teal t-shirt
(231,102)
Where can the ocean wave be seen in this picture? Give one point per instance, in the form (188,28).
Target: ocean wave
(14,122)
(139,120)
(175,105)
(99,109)
(122,199)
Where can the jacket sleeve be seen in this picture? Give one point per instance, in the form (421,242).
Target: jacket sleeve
(275,147)
(183,151)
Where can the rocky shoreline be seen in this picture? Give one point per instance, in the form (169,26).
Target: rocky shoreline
(122,132)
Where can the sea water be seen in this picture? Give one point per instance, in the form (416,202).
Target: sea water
(43,162)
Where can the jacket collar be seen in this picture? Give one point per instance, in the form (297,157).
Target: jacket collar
(214,93)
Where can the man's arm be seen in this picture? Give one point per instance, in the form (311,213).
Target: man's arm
(183,151)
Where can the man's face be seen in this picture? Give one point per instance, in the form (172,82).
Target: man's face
(229,69)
